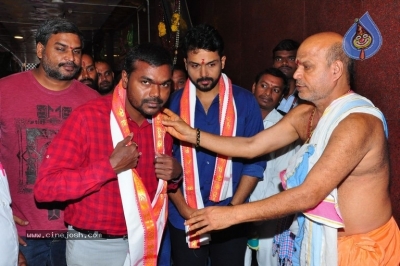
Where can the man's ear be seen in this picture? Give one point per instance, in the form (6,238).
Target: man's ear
(338,68)
(223,60)
(124,79)
(39,50)
(253,89)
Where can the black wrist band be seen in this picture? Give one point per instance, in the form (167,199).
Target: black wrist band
(197,137)
(230,204)
(178,179)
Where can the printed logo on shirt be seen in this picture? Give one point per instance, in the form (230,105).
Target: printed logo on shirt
(34,136)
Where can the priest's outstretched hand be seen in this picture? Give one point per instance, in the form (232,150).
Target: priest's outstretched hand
(177,127)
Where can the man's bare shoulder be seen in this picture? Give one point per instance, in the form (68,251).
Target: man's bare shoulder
(299,117)
(366,132)
(362,124)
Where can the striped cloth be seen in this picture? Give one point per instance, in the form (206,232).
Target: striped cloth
(284,241)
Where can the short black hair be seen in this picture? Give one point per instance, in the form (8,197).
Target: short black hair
(151,53)
(180,68)
(204,37)
(276,73)
(88,55)
(286,45)
(54,26)
(101,61)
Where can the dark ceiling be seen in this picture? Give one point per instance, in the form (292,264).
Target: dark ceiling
(22,17)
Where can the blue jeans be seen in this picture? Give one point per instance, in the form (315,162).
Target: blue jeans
(44,252)
(227,248)
(164,255)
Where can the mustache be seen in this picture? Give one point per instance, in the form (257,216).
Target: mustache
(90,79)
(68,64)
(204,79)
(152,100)
(266,98)
(105,83)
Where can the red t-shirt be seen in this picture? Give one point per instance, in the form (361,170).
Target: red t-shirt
(30,116)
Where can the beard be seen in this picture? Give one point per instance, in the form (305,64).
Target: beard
(142,110)
(92,83)
(288,71)
(55,73)
(105,87)
(313,95)
(213,83)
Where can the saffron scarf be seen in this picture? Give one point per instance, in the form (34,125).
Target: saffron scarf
(145,220)
(221,187)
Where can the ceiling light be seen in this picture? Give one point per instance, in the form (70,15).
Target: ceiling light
(57,1)
(18,37)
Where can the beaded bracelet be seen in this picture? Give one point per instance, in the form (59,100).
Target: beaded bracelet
(197,137)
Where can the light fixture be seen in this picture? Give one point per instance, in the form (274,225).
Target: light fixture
(18,37)
(57,1)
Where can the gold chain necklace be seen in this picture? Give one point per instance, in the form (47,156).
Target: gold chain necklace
(310,122)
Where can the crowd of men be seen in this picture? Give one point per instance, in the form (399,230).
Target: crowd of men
(96,75)
(224,176)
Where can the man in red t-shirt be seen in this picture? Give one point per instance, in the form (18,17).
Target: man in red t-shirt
(33,106)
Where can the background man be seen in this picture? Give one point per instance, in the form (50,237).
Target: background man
(85,158)
(199,103)
(284,55)
(46,96)
(269,87)
(105,77)
(88,74)
(344,157)
(179,77)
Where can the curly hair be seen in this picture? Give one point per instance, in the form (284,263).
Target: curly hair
(151,53)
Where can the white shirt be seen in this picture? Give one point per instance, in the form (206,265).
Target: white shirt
(289,103)
(277,162)
(8,231)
